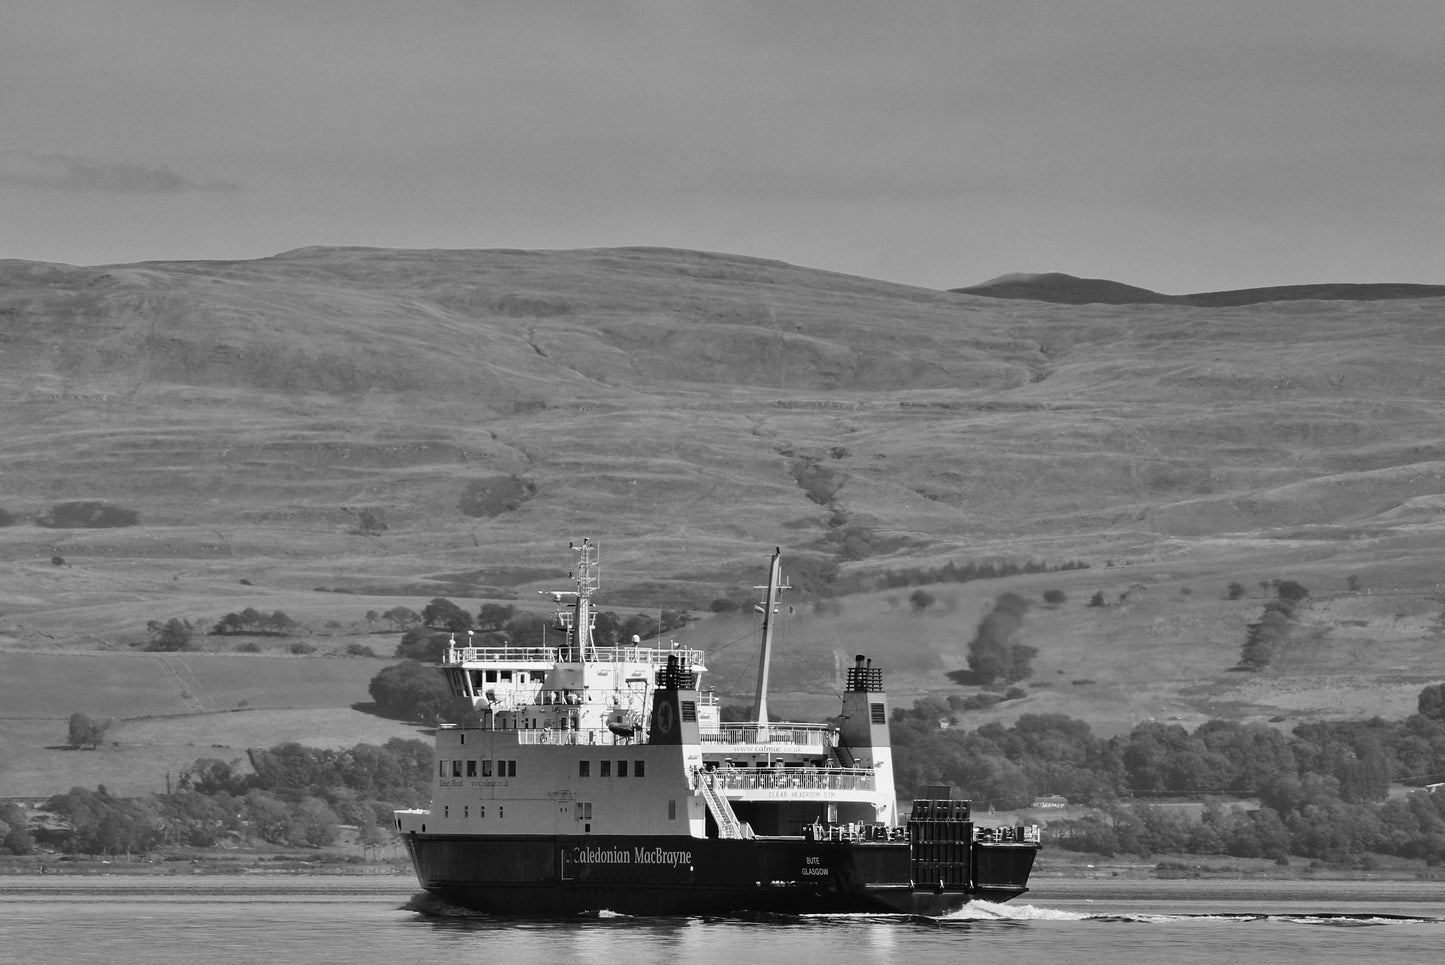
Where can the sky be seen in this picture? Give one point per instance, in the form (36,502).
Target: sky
(1177,145)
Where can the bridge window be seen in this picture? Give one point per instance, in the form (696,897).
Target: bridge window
(606,769)
(456,768)
(471,768)
(486,768)
(584,768)
(637,768)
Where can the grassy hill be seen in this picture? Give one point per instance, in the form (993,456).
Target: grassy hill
(691,411)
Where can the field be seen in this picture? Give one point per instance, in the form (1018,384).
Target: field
(336,432)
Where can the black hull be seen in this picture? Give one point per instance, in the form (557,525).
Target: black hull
(680,876)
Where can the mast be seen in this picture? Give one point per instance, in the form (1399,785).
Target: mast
(769,607)
(577,621)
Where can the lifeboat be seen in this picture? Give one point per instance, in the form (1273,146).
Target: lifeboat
(623,722)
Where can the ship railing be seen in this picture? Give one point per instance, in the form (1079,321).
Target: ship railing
(756,735)
(599,736)
(1023,834)
(802,778)
(652,656)
(854,831)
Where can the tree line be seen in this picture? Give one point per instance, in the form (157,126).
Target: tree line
(1323,788)
(295,796)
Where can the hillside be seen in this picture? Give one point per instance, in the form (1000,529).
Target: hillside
(691,411)
(1068,290)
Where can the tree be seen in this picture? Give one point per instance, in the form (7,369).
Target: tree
(1054,597)
(1291,591)
(994,651)
(15,830)
(372,839)
(920,600)
(423,644)
(1432,702)
(494,616)
(1097,599)
(443,613)
(1235,591)
(402,617)
(410,691)
(85,731)
(174,634)
(101,824)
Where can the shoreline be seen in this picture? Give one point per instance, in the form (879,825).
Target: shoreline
(1065,868)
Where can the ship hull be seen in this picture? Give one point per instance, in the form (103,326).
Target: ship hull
(672,876)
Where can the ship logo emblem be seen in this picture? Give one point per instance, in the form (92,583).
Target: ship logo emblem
(664,718)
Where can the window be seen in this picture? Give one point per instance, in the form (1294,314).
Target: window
(672,810)
(456,768)
(621,768)
(583,810)
(606,769)
(584,768)
(501,810)
(446,810)
(471,768)
(481,810)
(466,810)
(637,770)
(486,768)
(441,768)
(511,768)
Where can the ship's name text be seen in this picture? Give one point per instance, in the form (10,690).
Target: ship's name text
(637,855)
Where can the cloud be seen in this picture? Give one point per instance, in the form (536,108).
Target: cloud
(66,172)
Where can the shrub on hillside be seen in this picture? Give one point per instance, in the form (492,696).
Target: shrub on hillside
(87,514)
(495,495)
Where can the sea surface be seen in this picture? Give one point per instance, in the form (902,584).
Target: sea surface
(383,920)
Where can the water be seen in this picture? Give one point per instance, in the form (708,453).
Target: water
(382,920)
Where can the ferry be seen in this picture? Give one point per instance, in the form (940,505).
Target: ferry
(590,778)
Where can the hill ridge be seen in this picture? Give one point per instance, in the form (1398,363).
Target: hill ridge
(1070,290)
